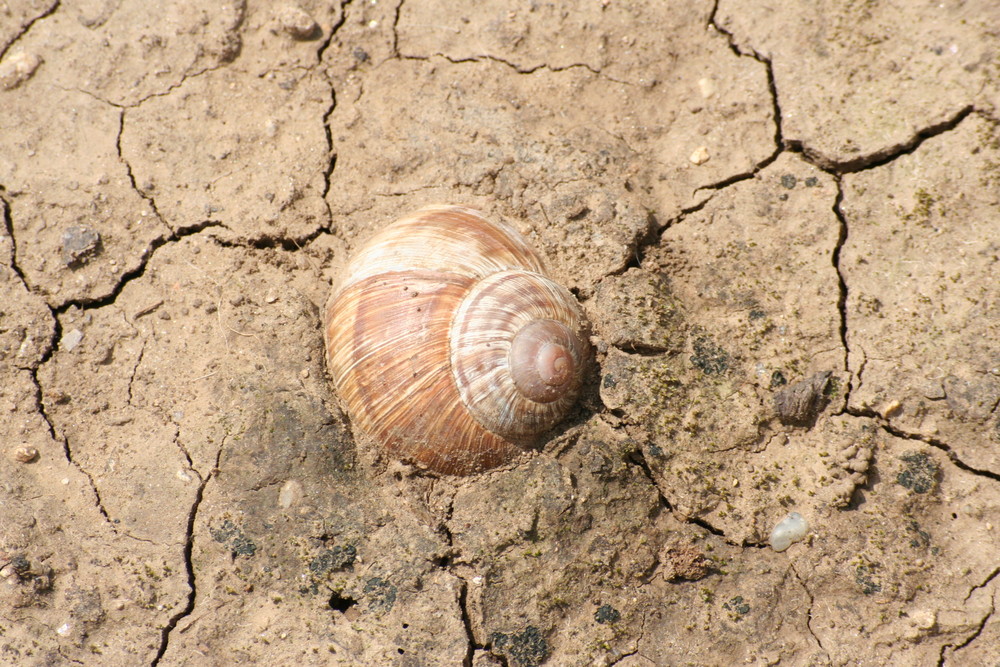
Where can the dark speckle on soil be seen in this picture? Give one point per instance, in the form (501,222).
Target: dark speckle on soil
(607,614)
(709,357)
(921,538)
(229,533)
(381,595)
(526,649)
(920,473)
(21,565)
(336,558)
(788,181)
(863,576)
(737,607)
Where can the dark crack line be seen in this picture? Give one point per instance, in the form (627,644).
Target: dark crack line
(518,69)
(188,608)
(327,129)
(131,175)
(67,449)
(463,591)
(128,276)
(40,407)
(68,453)
(779,147)
(8,223)
(286,243)
(189,569)
(463,605)
(27,27)
(986,582)
(809,611)
(135,370)
(321,51)
(777,118)
(881,156)
(978,630)
(331,164)
(886,426)
(842,284)
(812,156)
(395,29)
(779,142)
(639,459)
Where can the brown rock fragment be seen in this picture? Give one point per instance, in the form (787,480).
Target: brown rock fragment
(25,454)
(296,23)
(800,403)
(685,563)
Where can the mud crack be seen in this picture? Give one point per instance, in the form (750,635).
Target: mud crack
(25,27)
(445,563)
(978,630)
(68,453)
(842,282)
(884,424)
(639,459)
(463,605)
(881,156)
(327,130)
(809,611)
(8,224)
(189,570)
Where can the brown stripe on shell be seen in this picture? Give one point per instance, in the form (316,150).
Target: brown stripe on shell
(388,355)
(444,238)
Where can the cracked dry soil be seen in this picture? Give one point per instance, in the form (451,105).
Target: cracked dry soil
(784,226)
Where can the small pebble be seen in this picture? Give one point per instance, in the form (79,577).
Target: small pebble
(290,494)
(25,454)
(79,245)
(789,530)
(707,87)
(71,339)
(18,68)
(699,156)
(296,23)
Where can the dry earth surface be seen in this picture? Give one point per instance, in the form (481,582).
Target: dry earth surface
(782,219)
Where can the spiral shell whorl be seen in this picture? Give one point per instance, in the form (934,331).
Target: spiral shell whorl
(419,341)
(483,331)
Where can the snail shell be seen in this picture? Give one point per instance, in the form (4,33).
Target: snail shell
(448,344)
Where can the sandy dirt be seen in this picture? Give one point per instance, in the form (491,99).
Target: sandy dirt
(783,223)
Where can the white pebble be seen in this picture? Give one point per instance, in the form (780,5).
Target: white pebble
(699,156)
(290,494)
(71,339)
(790,529)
